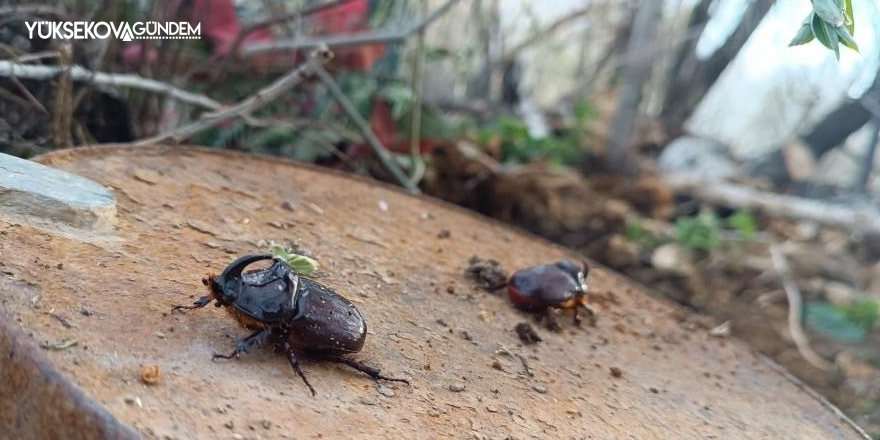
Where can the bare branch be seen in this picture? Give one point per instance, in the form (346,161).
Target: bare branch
(795,308)
(862,219)
(353,39)
(246,107)
(365,130)
(78,73)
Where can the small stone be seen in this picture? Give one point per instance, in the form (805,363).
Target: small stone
(129,399)
(229,425)
(722,331)
(160,335)
(442,323)
(444,234)
(366,401)
(457,387)
(220,410)
(616,372)
(653,390)
(385,391)
(573,411)
(497,365)
(491,409)
(672,259)
(287,206)
(383,206)
(237,437)
(60,266)
(540,388)
(266,424)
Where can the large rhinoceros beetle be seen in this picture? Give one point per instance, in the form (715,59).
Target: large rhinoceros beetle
(298,315)
(561,285)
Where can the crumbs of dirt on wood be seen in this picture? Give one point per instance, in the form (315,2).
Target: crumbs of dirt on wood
(487,273)
(527,333)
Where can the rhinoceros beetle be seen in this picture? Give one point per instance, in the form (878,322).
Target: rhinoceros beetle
(561,285)
(297,314)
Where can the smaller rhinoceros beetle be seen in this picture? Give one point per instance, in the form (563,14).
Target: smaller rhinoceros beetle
(296,314)
(561,285)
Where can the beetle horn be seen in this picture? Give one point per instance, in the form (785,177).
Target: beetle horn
(235,269)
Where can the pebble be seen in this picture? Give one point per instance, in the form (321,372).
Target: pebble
(491,409)
(540,388)
(267,424)
(385,391)
(456,387)
(229,425)
(366,401)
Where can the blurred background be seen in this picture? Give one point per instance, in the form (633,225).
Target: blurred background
(684,143)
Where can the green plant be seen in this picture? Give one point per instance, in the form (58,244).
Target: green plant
(700,232)
(519,146)
(863,313)
(832,23)
(635,232)
(744,223)
(848,324)
(300,263)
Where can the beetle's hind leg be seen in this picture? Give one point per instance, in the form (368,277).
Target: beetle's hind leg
(258,337)
(364,368)
(294,362)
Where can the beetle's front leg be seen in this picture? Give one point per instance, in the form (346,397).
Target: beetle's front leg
(242,346)
(198,304)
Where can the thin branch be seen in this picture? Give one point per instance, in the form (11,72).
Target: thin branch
(364,127)
(352,39)
(418,165)
(244,32)
(864,219)
(545,33)
(78,73)
(246,107)
(795,308)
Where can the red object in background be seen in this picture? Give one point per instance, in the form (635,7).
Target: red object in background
(346,18)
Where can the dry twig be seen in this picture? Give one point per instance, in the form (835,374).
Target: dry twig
(353,39)
(244,108)
(795,307)
(365,130)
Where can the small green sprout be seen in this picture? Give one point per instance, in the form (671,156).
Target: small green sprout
(300,263)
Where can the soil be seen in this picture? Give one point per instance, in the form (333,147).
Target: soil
(201,209)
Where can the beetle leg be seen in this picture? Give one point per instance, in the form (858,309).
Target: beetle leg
(198,304)
(242,346)
(591,311)
(364,368)
(294,362)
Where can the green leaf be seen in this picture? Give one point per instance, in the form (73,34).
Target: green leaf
(846,39)
(829,11)
(299,263)
(744,223)
(833,323)
(850,20)
(805,32)
(863,313)
(835,40)
(819,31)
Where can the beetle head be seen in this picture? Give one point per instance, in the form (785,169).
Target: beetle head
(226,286)
(579,273)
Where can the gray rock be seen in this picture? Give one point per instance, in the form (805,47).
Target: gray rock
(696,156)
(47,195)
